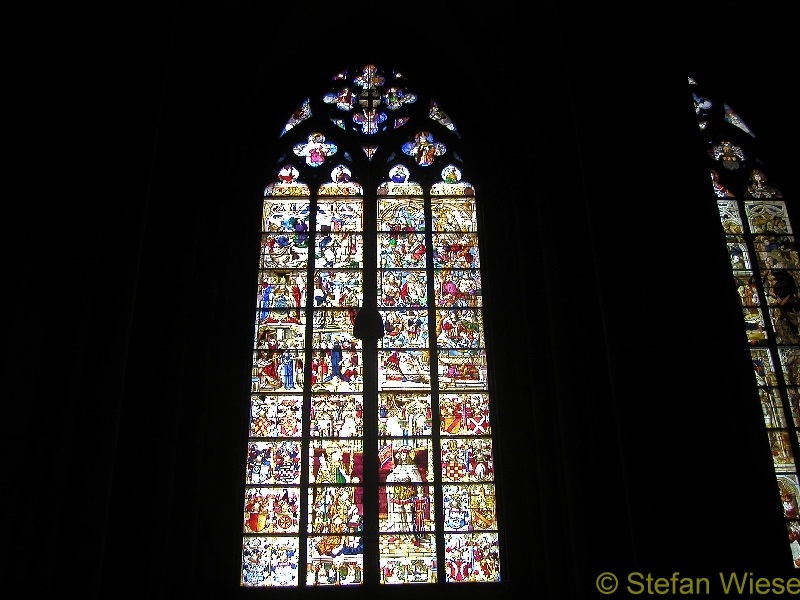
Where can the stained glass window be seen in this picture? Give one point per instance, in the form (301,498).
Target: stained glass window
(370,456)
(761,244)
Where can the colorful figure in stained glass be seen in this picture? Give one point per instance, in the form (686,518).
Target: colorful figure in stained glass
(344,99)
(370,120)
(471,557)
(437,114)
(423,148)
(340,183)
(271,510)
(758,187)
(451,174)
(316,150)
(369,78)
(398,174)
(269,561)
(720,190)
(341,174)
(287,184)
(288,174)
(300,115)
(394,98)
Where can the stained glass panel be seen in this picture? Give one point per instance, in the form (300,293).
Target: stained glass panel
(458,288)
(401,250)
(455,251)
(275,415)
(271,510)
(307,427)
(401,214)
(730,216)
(403,369)
(339,251)
(335,560)
(404,414)
(407,558)
(471,557)
(403,288)
(772,407)
(454,214)
(270,561)
(336,415)
(273,462)
(737,250)
(776,252)
(462,369)
(767,217)
(464,414)
(469,507)
(343,214)
(762,367)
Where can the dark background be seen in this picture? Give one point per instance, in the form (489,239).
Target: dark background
(628,432)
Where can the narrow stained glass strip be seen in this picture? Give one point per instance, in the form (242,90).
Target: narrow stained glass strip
(762,367)
(772,408)
(737,250)
(790,362)
(780,444)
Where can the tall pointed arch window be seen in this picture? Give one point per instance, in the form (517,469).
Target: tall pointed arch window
(370,442)
(761,242)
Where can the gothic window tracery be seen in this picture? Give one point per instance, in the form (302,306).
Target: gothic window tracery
(370,457)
